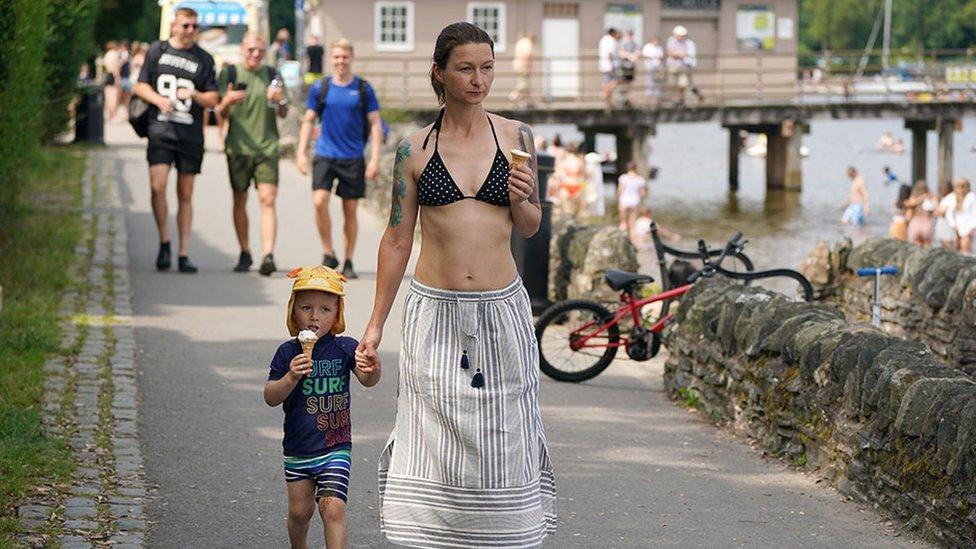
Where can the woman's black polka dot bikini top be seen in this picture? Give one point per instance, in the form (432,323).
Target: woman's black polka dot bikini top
(436,187)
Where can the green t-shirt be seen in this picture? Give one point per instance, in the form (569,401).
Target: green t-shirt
(253,129)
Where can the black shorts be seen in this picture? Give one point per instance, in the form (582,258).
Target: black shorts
(351,174)
(187,158)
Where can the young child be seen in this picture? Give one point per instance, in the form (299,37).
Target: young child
(313,385)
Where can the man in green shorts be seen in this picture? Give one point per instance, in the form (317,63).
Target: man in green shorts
(251,94)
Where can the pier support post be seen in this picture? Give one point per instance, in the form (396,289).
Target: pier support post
(946,127)
(919,129)
(784,168)
(735,148)
(630,147)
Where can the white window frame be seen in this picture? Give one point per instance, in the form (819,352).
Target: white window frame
(502,20)
(378,30)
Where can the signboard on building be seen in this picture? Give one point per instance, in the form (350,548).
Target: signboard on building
(755,28)
(693,5)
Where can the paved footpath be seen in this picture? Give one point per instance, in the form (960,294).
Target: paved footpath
(633,469)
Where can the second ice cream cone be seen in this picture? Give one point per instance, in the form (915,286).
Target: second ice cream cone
(519,157)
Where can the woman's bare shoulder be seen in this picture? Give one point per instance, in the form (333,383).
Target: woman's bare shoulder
(514,130)
(508,125)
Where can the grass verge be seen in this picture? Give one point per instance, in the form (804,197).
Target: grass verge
(37,240)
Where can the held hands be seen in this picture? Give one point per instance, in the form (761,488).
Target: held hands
(521,183)
(300,366)
(367,363)
(367,356)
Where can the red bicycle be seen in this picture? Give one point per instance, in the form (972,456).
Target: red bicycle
(579,338)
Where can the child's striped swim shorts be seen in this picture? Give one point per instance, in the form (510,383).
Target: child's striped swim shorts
(330,473)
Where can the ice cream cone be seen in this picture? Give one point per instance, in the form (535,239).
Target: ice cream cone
(307,347)
(307,339)
(519,157)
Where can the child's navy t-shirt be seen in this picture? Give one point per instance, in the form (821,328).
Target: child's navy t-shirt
(317,410)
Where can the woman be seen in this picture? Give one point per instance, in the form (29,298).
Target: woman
(945,235)
(467,463)
(631,191)
(921,204)
(960,211)
(571,175)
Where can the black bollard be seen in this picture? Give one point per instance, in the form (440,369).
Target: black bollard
(88,115)
(532,254)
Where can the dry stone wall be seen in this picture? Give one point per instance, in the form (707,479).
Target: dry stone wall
(932,299)
(579,255)
(882,418)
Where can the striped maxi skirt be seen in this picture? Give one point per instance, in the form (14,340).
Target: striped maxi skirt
(467,466)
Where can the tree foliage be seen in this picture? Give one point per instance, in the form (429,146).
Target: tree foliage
(132,19)
(68,45)
(837,25)
(22,74)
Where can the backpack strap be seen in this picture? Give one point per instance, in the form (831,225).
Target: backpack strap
(362,108)
(323,91)
(232,74)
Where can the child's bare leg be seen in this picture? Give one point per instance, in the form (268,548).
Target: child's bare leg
(301,506)
(333,511)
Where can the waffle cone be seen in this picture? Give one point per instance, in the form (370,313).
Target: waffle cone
(519,157)
(307,347)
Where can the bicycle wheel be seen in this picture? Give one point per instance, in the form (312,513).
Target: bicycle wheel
(563,325)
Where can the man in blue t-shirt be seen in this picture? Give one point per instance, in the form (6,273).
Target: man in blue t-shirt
(339,149)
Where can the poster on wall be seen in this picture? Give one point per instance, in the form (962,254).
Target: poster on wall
(624,17)
(784,28)
(755,28)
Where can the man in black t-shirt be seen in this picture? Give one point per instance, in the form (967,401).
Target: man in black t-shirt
(178,82)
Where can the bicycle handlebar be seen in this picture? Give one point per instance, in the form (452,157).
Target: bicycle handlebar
(873,271)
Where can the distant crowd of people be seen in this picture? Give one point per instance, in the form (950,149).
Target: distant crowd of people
(922,217)
(668,70)
(117,68)
(577,188)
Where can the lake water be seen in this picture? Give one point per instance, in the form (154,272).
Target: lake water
(691,193)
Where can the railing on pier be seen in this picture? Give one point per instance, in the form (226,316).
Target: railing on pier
(756,78)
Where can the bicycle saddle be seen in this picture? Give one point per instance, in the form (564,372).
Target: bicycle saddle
(620,280)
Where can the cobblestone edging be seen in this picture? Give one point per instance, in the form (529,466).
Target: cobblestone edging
(90,398)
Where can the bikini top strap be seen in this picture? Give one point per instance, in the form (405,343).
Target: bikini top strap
(437,127)
(493,134)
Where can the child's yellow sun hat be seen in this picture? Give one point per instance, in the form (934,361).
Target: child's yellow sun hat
(322,279)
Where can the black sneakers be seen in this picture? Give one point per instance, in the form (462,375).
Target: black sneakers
(267,265)
(347,270)
(244,263)
(330,261)
(186,266)
(164,258)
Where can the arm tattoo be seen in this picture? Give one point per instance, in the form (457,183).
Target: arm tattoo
(527,143)
(399,183)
